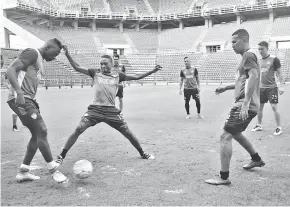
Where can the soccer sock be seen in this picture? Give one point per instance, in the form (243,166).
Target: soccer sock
(187,106)
(14,126)
(63,153)
(197,101)
(141,151)
(224,175)
(256,157)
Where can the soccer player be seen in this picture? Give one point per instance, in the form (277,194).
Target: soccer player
(189,76)
(122,85)
(106,84)
(10,96)
(23,77)
(246,107)
(270,65)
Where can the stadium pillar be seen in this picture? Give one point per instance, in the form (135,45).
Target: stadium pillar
(271,15)
(6,38)
(94,27)
(75,24)
(121,26)
(61,23)
(137,26)
(181,25)
(159,27)
(238,18)
(210,24)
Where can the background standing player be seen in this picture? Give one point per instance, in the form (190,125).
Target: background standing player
(23,77)
(122,85)
(11,96)
(106,84)
(189,76)
(246,107)
(270,65)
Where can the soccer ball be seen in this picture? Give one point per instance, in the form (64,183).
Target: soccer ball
(83,169)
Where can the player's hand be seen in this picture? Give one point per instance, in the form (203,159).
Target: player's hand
(220,90)
(20,99)
(281,91)
(180,92)
(157,68)
(198,89)
(65,49)
(244,112)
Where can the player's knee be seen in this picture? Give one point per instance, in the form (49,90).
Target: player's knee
(274,107)
(42,133)
(80,129)
(225,138)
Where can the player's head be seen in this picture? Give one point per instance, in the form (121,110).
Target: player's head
(187,62)
(240,41)
(106,63)
(51,49)
(116,59)
(263,48)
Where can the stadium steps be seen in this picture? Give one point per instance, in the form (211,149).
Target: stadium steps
(107,6)
(131,43)
(267,32)
(198,43)
(150,9)
(191,7)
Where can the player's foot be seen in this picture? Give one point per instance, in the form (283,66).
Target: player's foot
(278,131)
(15,129)
(257,128)
(200,116)
(187,116)
(148,156)
(60,178)
(218,181)
(26,175)
(253,164)
(59,160)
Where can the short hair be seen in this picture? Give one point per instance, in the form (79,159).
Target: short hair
(242,33)
(116,55)
(264,44)
(107,56)
(56,41)
(185,58)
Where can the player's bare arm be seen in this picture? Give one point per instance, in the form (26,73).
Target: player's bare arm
(223,89)
(198,82)
(180,85)
(249,90)
(281,80)
(138,77)
(16,66)
(74,64)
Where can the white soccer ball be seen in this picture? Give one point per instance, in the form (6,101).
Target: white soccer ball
(83,169)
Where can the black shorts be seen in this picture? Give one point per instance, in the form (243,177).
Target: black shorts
(269,94)
(108,114)
(120,92)
(28,113)
(188,93)
(236,125)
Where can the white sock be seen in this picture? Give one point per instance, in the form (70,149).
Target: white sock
(24,166)
(51,165)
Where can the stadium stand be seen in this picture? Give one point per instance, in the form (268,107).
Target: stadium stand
(122,6)
(173,6)
(155,5)
(280,27)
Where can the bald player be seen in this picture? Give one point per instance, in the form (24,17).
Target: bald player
(106,84)
(23,75)
(270,66)
(246,107)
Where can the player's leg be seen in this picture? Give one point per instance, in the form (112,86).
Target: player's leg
(86,122)
(14,120)
(263,100)
(273,99)
(120,125)
(187,96)
(121,104)
(196,97)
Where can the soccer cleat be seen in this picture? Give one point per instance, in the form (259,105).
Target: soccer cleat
(187,116)
(257,128)
(148,156)
(218,181)
(59,160)
(253,164)
(26,176)
(278,131)
(200,116)
(60,178)
(15,129)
